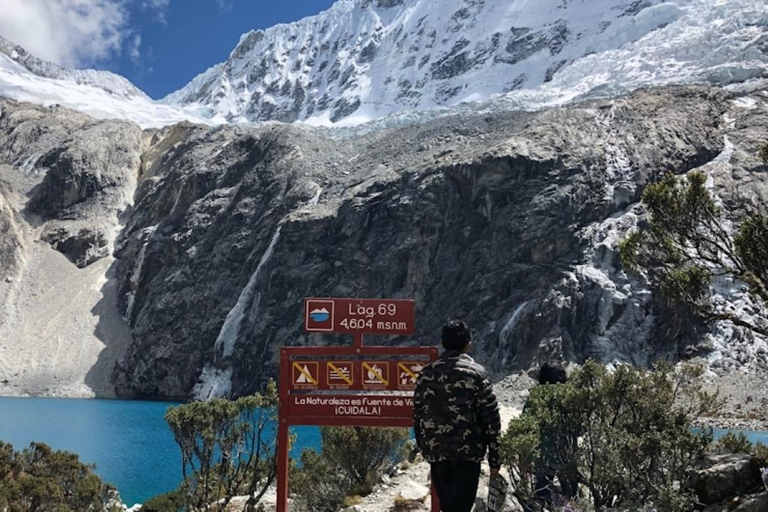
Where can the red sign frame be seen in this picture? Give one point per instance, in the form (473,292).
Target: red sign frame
(308,398)
(305,374)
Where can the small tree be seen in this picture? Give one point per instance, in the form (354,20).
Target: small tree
(317,485)
(635,445)
(363,454)
(169,502)
(764,153)
(686,244)
(227,448)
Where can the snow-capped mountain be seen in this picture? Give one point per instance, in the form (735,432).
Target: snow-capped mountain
(101,94)
(365,59)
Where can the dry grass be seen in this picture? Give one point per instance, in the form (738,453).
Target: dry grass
(402,504)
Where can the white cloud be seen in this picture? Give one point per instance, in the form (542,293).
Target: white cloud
(159,6)
(134,50)
(224,5)
(72,33)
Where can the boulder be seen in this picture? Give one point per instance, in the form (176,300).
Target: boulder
(412,491)
(755,503)
(719,478)
(81,245)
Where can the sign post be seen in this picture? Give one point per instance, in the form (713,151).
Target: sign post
(349,386)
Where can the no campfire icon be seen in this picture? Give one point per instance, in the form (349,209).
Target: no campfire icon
(319,315)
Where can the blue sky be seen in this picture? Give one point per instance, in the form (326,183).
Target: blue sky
(193,35)
(159,45)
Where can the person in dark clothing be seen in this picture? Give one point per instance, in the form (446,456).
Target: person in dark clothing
(547,467)
(456,420)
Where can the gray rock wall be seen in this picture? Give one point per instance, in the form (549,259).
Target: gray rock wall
(478,217)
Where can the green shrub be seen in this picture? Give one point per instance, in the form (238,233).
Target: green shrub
(738,443)
(620,435)
(317,485)
(351,462)
(363,454)
(39,478)
(733,443)
(169,502)
(764,153)
(760,451)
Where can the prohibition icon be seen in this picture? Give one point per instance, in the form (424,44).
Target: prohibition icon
(408,372)
(340,374)
(305,374)
(375,374)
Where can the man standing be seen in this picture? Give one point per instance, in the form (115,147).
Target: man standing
(456,419)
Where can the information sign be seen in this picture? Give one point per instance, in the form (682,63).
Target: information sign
(349,386)
(359,316)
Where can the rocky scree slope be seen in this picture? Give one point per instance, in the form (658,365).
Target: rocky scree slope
(366,59)
(509,220)
(65,179)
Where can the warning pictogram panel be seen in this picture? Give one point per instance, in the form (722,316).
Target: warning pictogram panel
(339,374)
(407,373)
(375,374)
(305,374)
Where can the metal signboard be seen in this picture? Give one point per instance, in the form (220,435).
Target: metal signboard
(349,386)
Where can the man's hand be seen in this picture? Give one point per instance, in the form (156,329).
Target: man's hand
(494,472)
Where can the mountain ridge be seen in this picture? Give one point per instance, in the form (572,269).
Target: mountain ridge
(362,60)
(110,82)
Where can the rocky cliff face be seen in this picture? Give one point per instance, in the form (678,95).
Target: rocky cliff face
(508,220)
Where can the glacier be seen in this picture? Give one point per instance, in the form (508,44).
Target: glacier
(100,94)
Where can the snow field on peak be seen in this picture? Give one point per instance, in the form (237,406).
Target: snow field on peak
(525,55)
(19,84)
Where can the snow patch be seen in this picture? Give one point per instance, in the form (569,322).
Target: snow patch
(745,103)
(225,342)
(213,383)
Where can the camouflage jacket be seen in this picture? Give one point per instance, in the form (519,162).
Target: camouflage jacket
(455,413)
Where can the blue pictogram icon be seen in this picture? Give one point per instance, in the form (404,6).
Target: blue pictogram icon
(319,315)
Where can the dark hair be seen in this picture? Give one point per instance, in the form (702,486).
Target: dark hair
(552,372)
(456,335)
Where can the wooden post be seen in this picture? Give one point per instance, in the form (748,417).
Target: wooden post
(282,466)
(435,500)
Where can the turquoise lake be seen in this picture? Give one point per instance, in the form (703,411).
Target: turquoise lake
(128,441)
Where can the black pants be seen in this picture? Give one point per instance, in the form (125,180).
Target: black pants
(456,484)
